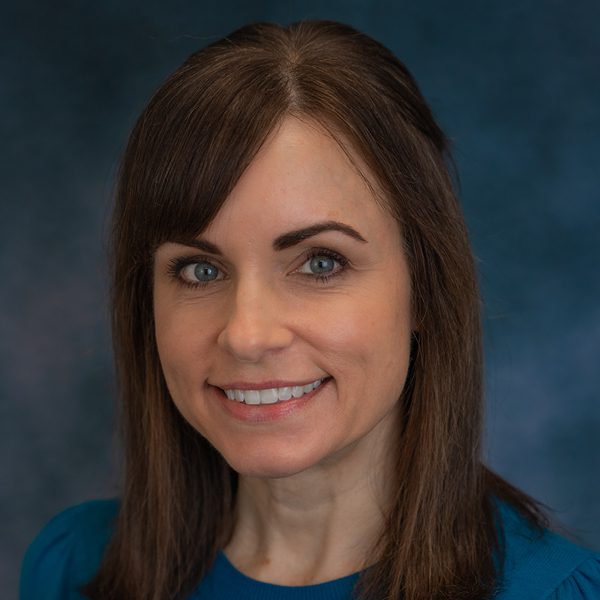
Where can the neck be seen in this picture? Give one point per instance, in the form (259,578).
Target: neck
(314,526)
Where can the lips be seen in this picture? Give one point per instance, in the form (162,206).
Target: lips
(245,411)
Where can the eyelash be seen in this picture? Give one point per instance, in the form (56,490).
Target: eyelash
(176,266)
(314,252)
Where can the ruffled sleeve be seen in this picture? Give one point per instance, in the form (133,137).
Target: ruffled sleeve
(539,564)
(67,552)
(582,584)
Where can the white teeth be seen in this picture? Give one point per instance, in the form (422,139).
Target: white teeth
(268,396)
(284,393)
(272,395)
(252,397)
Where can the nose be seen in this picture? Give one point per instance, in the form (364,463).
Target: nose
(255,323)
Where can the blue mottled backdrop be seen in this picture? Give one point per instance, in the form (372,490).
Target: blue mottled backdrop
(515,84)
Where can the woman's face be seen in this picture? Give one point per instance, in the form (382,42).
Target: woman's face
(300,279)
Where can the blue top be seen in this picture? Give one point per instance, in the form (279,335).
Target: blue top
(68,551)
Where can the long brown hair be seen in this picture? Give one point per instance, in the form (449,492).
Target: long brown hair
(187,151)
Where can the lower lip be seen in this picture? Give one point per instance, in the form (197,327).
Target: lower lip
(260,413)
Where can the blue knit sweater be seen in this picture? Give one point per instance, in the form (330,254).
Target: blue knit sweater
(68,551)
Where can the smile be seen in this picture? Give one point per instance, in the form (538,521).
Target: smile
(272,395)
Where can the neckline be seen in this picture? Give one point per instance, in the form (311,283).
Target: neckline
(254,589)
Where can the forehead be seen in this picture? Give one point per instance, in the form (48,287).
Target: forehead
(299,176)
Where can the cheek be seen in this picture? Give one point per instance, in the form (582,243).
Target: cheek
(365,339)
(378,322)
(180,341)
(381,333)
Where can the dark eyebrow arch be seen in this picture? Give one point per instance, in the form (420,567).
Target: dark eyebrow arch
(202,245)
(295,237)
(286,240)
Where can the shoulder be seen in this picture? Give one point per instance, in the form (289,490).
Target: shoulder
(67,551)
(545,565)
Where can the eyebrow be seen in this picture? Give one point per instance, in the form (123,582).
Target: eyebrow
(287,240)
(295,237)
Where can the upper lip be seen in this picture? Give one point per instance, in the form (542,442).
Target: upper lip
(265,385)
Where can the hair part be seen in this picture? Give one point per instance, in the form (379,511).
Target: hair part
(188,149)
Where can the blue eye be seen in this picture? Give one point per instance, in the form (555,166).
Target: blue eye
(194,273)
(323,264)
(320,265)
(204,271)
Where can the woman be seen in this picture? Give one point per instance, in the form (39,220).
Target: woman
(296,323)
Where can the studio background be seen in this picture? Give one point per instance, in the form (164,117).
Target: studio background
(516,86)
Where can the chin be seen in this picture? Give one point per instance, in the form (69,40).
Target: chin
(267,464)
